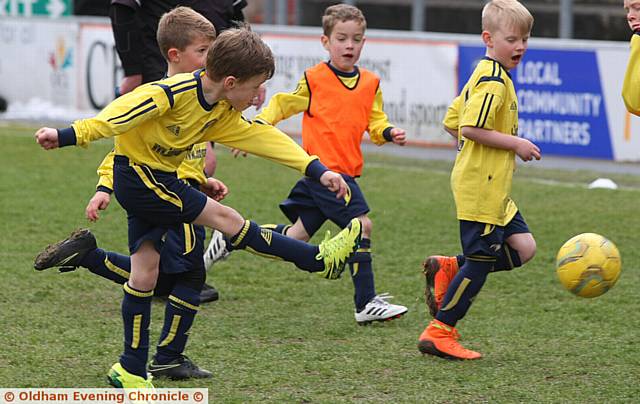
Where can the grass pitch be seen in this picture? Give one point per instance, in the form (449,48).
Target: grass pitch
(281,335)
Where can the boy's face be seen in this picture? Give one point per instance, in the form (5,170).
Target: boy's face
(242,94)
(344,44)
(632,8)
(194,56)
(506,45)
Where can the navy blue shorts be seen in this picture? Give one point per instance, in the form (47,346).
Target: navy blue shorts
(486,239)
(314,204)
(183,249)
(155,202)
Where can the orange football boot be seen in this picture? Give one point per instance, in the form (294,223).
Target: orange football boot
(441,340)
(439,271)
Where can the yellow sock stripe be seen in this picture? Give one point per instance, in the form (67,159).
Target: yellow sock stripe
(356,267)
(243,233)
(267,235)
(137,322)
(273,257)
(481,258)
(175,322)
(269,226)
(189,237)
(137,293)
(363,250)
(116,269)
(156,187)
(456,297)
(183,303)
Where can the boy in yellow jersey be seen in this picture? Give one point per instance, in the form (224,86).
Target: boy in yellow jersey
(494,235)
(340,102)
(155,127)
(184,37)
(631,85)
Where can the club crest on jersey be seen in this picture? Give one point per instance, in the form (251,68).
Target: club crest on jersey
(208,125)
(175,129)
(266,235)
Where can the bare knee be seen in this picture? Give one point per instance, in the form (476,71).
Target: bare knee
(525,244)
(220,217)
(144,267)
(367,226)
(298,231)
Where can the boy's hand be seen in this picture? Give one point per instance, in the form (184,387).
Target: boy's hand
(335,183)
(526,150)
(214,189)
(47,138)
(238,152)
(399,136)
(130,82)
(100,201)
(258,100)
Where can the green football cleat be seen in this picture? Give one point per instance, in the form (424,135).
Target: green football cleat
(336,251)
(68,253)
(119,378)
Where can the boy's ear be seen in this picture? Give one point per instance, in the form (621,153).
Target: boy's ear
(325,42)
(229,82)
(173,54)
(487,39)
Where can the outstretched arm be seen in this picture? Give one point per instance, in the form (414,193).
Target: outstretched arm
(283,105)
(525,149)
(121,115)
(631,85)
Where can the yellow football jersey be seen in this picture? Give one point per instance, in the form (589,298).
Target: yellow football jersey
(158,123)
(631,85)
(482,175)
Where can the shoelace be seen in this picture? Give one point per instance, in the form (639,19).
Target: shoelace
(326,246)
(382,299)
(184,360)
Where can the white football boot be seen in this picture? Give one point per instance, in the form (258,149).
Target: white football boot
(216,251)
(379,309)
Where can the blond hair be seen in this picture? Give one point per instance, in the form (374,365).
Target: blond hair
(498,13)
(341,13)
(240,53)
(181,27)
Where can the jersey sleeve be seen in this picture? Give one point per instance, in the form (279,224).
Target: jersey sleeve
(631,85)
(484,100)
(263,140)
(284,105)
(105,173)
(124,113)
(378,121)
(452,117)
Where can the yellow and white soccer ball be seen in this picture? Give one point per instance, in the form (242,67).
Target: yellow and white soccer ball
(588,265)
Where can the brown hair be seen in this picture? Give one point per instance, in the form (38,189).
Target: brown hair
(180,27)
(506,12)
(240,53)
(341,13)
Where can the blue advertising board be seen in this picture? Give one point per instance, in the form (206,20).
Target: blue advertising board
(561,106)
